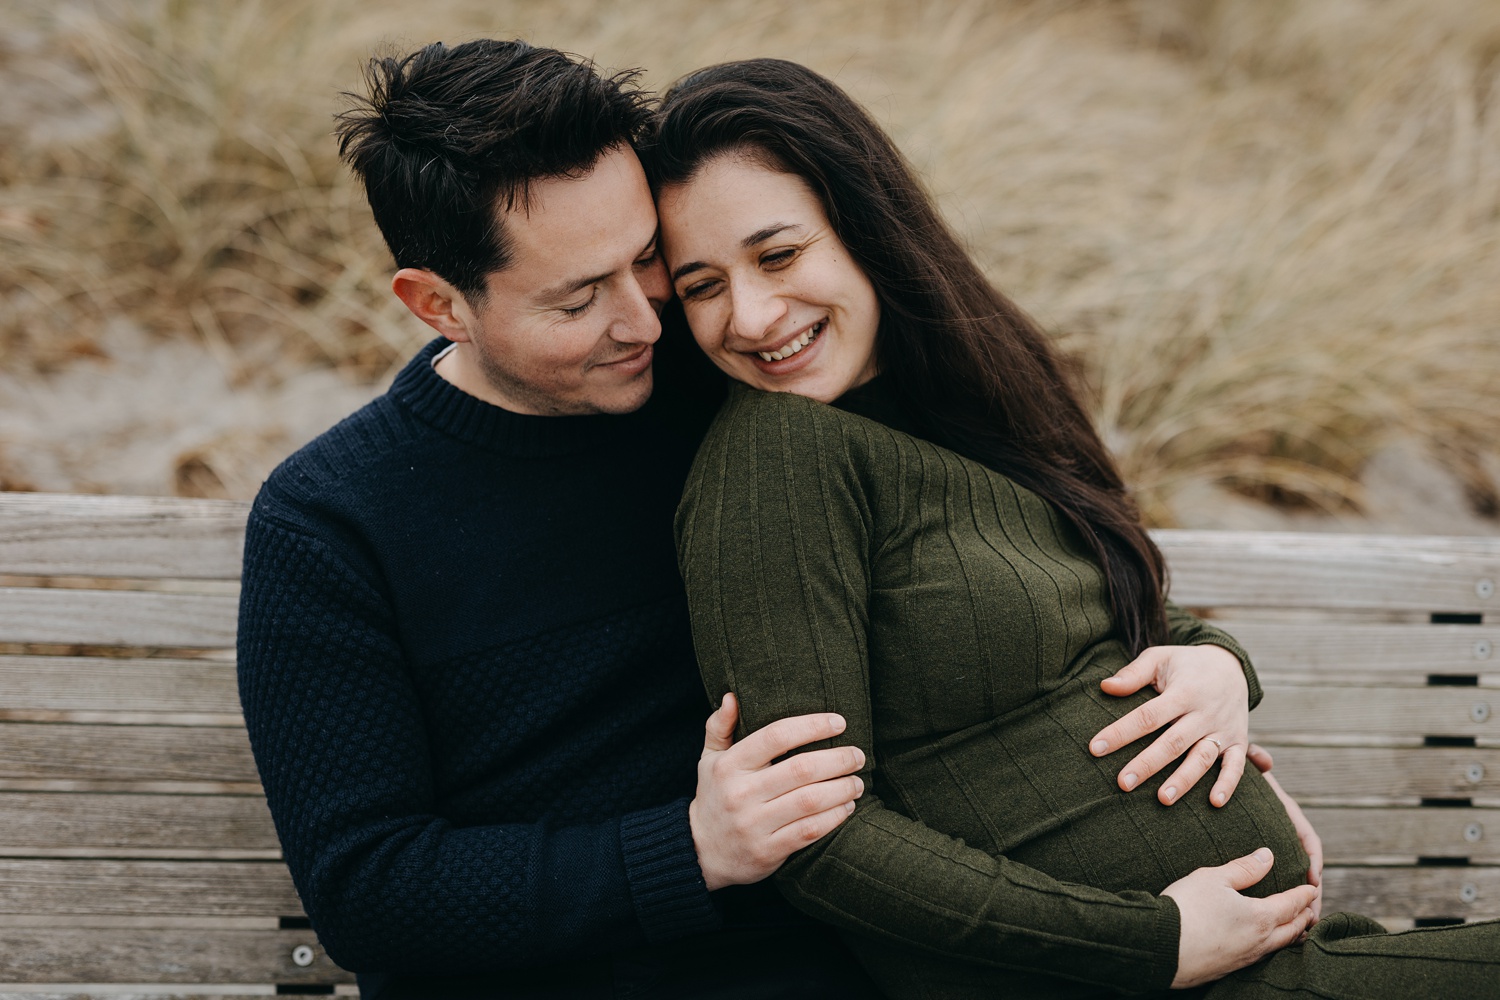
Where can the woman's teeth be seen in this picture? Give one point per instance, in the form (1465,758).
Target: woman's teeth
(795,346)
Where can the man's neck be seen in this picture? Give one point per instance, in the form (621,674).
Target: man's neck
(458,366)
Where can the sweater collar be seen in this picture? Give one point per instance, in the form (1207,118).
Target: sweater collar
(448,408)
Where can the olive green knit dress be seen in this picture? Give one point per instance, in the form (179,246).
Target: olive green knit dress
(833,563)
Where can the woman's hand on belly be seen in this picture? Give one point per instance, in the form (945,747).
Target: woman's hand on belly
(1223,930)
(1205,699)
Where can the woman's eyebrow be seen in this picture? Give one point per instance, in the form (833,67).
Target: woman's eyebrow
(757,237)
(761,235)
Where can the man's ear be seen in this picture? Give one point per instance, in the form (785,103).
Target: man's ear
(435,302)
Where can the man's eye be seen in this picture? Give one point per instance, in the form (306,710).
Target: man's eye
(647,260)
(579,310)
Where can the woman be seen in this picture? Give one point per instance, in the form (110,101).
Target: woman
(946,556)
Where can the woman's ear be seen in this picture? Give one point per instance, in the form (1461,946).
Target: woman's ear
(435,302)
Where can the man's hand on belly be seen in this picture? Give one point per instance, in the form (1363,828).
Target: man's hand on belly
(1205,699)
(1223,930)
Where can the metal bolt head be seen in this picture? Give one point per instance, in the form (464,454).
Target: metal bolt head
(302,956)
(1485,588)
(1482,649)
(1479,711)
(1474,833)
(1469,893)
(1475,773)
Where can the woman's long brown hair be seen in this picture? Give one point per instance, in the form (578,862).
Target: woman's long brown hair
(975,372)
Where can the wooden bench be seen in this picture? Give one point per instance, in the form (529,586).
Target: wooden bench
(137,855)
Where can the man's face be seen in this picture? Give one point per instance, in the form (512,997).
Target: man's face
(568,327)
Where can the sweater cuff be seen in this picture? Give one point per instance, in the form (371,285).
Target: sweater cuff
(1166,941)
(661,864)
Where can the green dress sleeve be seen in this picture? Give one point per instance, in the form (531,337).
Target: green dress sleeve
(775,543)
(1187,629)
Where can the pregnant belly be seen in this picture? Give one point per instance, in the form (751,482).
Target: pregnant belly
(1023,786)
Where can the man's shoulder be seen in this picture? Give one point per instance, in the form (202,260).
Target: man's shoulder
(337,459)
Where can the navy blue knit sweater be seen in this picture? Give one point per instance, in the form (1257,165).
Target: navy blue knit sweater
(468,678)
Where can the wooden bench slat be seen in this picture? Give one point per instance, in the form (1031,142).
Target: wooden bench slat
(123,888)
(1295,570)
(1326,712)
(131,955)
(1310,648)
(82,683)
(64,821)
(44,534)
(1362,836)
(117,618)
(68,752)
(1414,892)
(1388,773)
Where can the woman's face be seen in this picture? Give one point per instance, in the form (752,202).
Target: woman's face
(771,294)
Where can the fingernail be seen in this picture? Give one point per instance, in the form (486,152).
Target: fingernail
(1098,746)
(1169,793)
(837,722)
(848,807)
(859,755)
(859,786)
(1218,798)
(1130,781)
(1263,855)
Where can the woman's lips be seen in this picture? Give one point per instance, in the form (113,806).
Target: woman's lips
(810,339)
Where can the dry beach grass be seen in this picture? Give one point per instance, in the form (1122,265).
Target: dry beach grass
(1268,230)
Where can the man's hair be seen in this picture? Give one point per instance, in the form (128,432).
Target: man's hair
(449,138)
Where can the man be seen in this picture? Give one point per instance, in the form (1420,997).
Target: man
(465,658)
(464,653)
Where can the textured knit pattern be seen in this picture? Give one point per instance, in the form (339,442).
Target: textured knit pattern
(962,628)
(469,685)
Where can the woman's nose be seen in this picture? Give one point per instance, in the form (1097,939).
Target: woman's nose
(755,311)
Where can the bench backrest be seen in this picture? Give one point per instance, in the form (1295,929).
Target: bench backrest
(135,845)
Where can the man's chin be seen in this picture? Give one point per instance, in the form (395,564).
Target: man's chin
(629,397)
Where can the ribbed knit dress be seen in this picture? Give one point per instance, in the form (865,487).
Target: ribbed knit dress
(962,627)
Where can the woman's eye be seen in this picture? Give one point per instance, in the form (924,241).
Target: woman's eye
(699,290)
(778,258)
(579,310)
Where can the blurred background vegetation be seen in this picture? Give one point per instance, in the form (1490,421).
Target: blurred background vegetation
(1266,231)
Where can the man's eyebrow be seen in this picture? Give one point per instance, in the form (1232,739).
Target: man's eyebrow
(759,236)
(564,289)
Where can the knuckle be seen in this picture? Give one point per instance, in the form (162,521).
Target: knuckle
(801,769)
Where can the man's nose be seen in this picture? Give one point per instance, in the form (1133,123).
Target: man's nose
(645,294)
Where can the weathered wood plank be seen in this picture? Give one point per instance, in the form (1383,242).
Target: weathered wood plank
(1306,570)
(1469,892)
(60,821)
(117,618)
(1311,648)
(46,534)
(1388,773)
(123,888)
(81,683)
(1365,836)
(115,955)
(65,752)
(1333,711)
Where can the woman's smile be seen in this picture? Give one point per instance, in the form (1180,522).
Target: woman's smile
(771,293)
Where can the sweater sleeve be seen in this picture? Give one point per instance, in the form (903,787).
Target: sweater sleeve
(340,739)
(773,541)
(1187,629)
